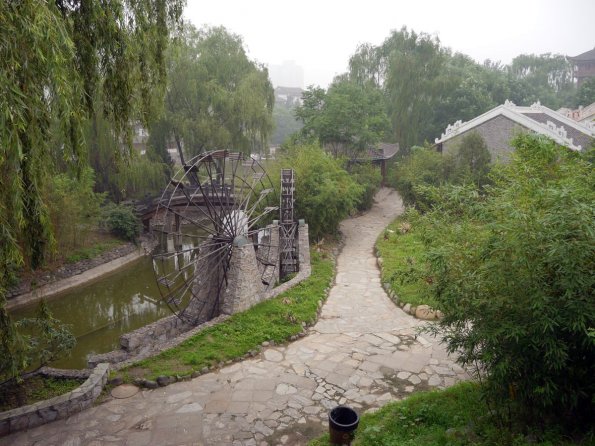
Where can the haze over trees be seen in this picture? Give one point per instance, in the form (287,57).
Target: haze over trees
(426,86)
(216,97)
(346,119)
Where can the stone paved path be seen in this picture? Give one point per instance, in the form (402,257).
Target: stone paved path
(362,352)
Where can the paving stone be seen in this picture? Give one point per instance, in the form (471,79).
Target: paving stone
(273,355)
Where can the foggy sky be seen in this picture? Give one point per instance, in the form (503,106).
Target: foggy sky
(321,35)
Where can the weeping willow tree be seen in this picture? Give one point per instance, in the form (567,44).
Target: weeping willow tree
(216,98)
(56,60)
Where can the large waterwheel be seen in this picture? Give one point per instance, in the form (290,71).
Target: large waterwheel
(216,202)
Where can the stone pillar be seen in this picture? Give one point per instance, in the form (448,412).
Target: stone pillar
(244,286)
(303,245)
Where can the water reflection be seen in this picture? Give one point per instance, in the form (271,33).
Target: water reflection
(100,312)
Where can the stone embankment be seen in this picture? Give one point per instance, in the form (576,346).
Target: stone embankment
(62,406)
(44,284)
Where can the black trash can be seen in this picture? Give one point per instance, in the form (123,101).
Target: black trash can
(342,423)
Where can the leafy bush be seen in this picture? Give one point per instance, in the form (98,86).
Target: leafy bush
(368,176)
(518,291)
(417,175)
(74,208)
(32,343)
(122,222)
(424,166)
(325,193)
(472,160)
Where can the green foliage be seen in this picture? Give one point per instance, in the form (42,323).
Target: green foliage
(47,339)
(124,176)
(90,252)
(426,87)
(457,416)
(586,93)
(122,222)
(325,193)
(74,208)
(57,59)
(346,119)
(402,250)
(546,77)
(517,290)
(368,176)
(423,166)
(34,389)
(472,159)
(217,98)
(277,319)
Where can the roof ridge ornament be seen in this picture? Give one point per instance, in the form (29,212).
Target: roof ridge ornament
(561,133)
(537,106)
(451,130)
(509,104)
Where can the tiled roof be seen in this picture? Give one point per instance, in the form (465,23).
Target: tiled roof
(537,118)
(382,151)
(578,137)
(589,55)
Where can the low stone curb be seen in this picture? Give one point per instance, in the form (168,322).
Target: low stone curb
(423,312)
(55,408)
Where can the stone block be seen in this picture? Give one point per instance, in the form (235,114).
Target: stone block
(425,312)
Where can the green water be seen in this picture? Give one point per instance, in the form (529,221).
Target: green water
(100,312)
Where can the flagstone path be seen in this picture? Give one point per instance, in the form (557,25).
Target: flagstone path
(364,351)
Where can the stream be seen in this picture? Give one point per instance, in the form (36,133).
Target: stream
(100,312)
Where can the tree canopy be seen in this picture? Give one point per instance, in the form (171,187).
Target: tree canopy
(426,86)
(216,97)
(348,117)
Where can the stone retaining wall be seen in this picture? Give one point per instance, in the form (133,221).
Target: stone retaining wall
(68,270)
(56,408)
(72,275)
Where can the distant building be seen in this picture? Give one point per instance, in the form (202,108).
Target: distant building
(583,115)
(584,66)
(289,96)
(378,154)
(140,137)
(499,125)
(288,74)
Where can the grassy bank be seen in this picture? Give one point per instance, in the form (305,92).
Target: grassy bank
(34,389)
(401,249)
(455,417)
(275,320)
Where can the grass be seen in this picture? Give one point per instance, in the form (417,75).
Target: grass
(401,250)
(274,320)
(453,417)
(91,251)
(34,389)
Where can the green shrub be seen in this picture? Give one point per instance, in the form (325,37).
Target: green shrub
(46,338)
(74,208)
(518,291)
(369,177)
(325,193)
(471,160)
(423,166)
(122,222)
